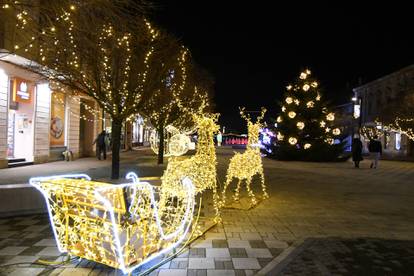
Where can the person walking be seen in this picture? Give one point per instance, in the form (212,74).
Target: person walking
(100,145)
(219,139)
(375,149)
(357,151)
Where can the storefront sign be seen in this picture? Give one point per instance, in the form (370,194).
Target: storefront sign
(22,91)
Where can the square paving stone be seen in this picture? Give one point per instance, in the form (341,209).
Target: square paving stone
(226,265)
(220,244)
(21,260)
(36,228)
(202,244)
(238,243)
(27,271)
(220,272)
(237,252)
(257,244)
(197,272)
(217,253)
(49,251)
(31,251)
(197,253)
(245,263)
(172,272)
(276,244)
(6,234)
(46,242)
(258,253)
(239,272)
(180,263)
(201,263)
(12,250)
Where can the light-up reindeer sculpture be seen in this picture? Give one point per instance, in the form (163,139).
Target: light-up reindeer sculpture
(243,166)
(200,168)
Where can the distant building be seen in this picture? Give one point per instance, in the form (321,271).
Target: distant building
(381,100)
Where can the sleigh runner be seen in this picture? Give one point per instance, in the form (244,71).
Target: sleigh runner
(122,226)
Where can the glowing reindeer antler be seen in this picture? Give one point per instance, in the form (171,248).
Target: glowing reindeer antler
(261,117)
(244,115)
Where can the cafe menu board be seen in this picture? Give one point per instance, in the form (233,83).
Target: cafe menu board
(22,91)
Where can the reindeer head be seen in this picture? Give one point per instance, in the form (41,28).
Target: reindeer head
(206,127)
(253,129)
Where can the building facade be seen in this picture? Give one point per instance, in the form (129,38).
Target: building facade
(382,100)
(38,122)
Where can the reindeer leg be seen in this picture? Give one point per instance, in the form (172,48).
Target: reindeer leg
(223,193)
(236,192)
(249,191)
(217,204)
(262,180)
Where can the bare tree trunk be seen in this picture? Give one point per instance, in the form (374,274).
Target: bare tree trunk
(161,145)
(116,145)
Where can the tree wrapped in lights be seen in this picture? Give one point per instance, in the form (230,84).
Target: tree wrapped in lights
(101,48)
(304,127)
(183,90)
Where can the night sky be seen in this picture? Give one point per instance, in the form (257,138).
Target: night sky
(254,49)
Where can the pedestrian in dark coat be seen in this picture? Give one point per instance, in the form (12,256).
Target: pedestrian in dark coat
(100,145)
(375,149)
(357,151)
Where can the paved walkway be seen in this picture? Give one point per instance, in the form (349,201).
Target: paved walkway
(97,169)
(321,219)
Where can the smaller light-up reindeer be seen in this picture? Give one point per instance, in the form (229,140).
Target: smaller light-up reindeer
(243,166)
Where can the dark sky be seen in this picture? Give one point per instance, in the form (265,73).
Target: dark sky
(254,49)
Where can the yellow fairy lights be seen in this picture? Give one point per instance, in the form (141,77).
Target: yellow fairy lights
(122,226)
(244,166)
(310,104)
(279,119)
(336,131)
(305,90)
(330,116)
(175,142)
(200,168)
(403,126)
(293,140)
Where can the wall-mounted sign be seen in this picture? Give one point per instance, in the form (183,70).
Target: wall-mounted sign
(22,91)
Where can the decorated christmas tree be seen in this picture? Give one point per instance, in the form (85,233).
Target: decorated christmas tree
(304,126)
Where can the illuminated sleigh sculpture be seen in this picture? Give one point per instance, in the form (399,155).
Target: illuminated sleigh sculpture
(91,219)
